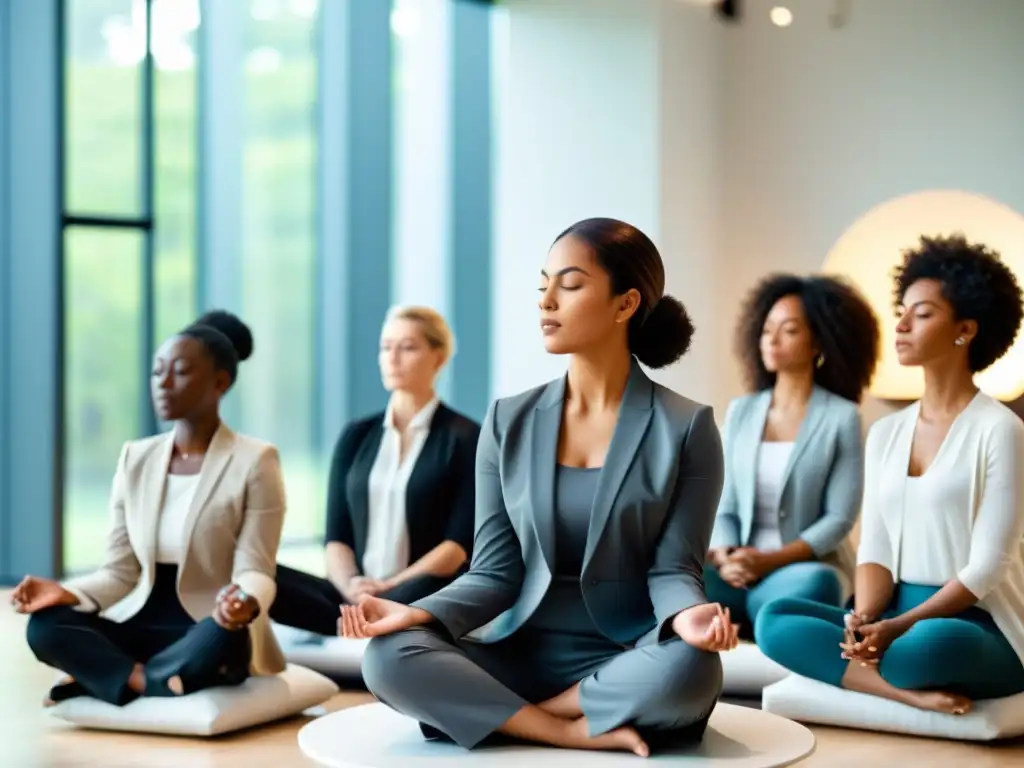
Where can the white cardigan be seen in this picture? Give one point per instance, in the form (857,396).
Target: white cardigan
(975,482)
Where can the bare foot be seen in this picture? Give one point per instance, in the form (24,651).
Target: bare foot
(565,705)
(64,689)
(50,701)
(625,739)
(137,679)
(939,701)
(868,679)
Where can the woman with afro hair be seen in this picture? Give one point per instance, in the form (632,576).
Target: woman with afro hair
(938,613)
(793,447)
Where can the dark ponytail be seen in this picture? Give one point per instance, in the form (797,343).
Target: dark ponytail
(664,336)
(660,330)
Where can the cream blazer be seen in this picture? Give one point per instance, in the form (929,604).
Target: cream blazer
(977,474)
(232,532)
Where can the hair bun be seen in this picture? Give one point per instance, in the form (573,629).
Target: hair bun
(664,336)
(230,325)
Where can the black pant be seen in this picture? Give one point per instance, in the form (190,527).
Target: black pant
(309,602)
(100,654)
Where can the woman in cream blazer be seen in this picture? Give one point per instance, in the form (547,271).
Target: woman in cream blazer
(181,600)
(938,618)
(793,447)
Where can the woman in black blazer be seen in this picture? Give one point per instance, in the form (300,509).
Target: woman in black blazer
(400,502)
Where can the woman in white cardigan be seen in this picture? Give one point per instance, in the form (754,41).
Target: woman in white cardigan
(938,616)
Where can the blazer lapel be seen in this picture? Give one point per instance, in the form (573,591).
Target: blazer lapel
(358,485)
(750,436)
(634,416)
(153,485)
(804,435)
(543,442)
(218,455)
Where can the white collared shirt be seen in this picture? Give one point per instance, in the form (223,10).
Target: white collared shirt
(387,540)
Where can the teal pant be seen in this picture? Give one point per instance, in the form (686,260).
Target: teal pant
(965,655)
(810,581)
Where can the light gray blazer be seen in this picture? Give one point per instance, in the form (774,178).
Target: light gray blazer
(823,481)
(650,527)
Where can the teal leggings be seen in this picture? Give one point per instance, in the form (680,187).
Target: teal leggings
(810,581)
(965,655)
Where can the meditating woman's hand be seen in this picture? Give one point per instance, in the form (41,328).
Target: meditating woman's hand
(35,593)
(374,616)
(736,575)
(877,637)
(235,608)
(752,561)
(718,556)
(358,586)
(708,627)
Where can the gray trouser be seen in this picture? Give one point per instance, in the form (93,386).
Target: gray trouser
(468,690)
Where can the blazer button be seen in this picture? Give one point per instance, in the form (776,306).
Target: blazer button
(595,581)
(782,514)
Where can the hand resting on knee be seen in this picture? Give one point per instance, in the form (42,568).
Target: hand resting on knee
(374,616)
(235,609)
(707,627)
(34,594)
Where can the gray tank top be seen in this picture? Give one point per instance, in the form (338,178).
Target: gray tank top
(562,609)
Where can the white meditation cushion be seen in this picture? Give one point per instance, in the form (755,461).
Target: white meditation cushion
(214,711)
(375,736)
(746,671)
(801,698)
(334,656)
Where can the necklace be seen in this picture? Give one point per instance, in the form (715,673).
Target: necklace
(187,456)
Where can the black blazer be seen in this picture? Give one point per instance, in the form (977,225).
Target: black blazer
(440,496)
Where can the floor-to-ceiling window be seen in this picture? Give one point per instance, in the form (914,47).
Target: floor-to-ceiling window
(130,201)
(195,135)
(276,397)
(107,253)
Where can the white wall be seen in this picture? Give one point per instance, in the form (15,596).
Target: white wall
(422,190)
(821,125)
(580,133)
(691,78)
(742,148)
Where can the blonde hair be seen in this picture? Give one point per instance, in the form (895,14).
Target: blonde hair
(434,327)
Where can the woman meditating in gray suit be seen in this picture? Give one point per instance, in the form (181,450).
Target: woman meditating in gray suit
(595,500)
(793,447)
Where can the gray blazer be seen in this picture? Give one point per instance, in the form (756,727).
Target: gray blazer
(822,484)
(650,526)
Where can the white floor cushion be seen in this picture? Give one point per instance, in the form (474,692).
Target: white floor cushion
(334,656)
(747,672)
(808,700)
(206,713)
(373,736)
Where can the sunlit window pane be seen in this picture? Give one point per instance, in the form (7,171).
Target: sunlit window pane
(174,56)
(103,377)
(106,45)
(277,390)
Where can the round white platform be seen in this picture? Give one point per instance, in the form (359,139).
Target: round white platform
(374,736)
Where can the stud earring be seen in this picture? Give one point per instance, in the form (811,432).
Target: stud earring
(960,341)
(820,361)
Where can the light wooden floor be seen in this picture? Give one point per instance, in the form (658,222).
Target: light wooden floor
(31,739)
